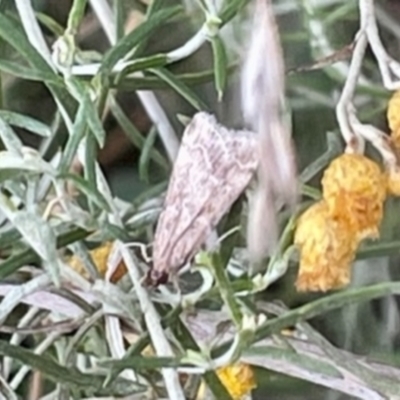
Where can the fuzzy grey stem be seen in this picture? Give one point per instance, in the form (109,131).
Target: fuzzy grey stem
(152,319)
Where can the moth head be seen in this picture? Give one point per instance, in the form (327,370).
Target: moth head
(156,277)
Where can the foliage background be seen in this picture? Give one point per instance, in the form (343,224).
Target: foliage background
(366,328)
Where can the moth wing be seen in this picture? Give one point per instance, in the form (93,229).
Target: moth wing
(214,165)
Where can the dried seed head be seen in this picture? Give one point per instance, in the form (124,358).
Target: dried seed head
(354,189)
(327,247)
(213,167)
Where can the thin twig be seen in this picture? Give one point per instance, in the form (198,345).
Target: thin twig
(343,108)
(387,65)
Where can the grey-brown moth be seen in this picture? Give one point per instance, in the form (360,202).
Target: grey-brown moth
(213,167)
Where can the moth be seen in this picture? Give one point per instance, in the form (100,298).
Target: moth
(213,167)
(262,97)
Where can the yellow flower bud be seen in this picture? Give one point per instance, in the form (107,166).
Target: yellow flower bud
(100,257)
(238,379)
(354,188)
(393,112)
(327,249)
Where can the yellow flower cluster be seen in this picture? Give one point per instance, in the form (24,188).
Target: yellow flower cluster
(329,232)
(327,249)
(393,117)
(99,256)
(238,379)
(354,191)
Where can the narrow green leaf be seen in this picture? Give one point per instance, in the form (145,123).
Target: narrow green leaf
(9,138)
(68,376)
(378,249)
(154,6)
(225,288)
(9,236)
(335,148)
(184,335)
(20,71)
(325,304)
(83,186)
(75,16)
(318,307)
(139,345)
(50,23)
(180,88)
(309,191)
(139,363)
(89,169)
(25,122)
(78,133)
(230,9)
(95,124)
(341,13)
(12,33)
(13,165)
(126,44)
(232,220)
(144,159)
(40,237)
(141,64)
(152,82)
(133,133)
(119,12)
(116,232)
(288,356)
(220,65)
(13,263)
(81,92)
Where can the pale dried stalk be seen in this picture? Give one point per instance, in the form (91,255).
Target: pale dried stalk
(353,131)
(387,65)
(345,109)
(156,332)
